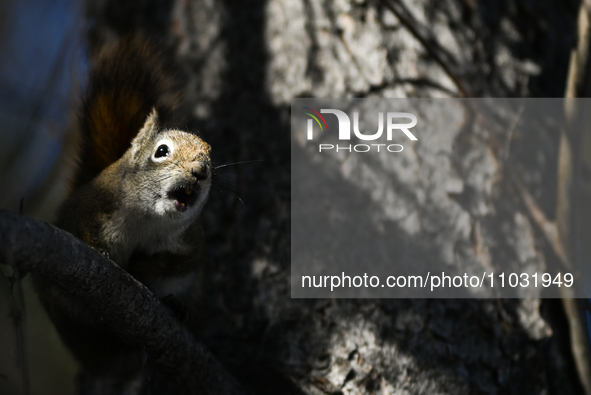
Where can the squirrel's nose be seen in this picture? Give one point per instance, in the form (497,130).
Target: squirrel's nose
(201,172)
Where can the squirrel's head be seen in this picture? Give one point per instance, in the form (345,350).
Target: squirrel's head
(170,171)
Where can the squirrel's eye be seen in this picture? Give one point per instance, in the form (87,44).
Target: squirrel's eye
(161,151)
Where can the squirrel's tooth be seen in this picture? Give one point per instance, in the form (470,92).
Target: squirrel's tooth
(183,204)
(189,191)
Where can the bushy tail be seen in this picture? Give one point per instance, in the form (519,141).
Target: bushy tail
(126,81)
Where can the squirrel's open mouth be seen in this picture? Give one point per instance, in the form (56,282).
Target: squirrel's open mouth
(184,196)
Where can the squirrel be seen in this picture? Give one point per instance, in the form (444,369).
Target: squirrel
(137,197)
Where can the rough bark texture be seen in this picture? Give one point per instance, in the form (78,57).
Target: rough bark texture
(123,302)
(243,61)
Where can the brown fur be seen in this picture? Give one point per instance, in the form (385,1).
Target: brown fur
(139,207)
(118,100)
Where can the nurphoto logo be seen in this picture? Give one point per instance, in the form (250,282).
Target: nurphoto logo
(345,130)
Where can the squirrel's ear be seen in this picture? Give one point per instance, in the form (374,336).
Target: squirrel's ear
(146,133)
(152,120)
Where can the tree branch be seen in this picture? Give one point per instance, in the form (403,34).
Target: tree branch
(572,216)
(128,306)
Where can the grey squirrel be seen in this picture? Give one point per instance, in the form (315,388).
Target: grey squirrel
(138,194)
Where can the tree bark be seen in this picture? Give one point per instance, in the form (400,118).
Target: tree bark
(31,246)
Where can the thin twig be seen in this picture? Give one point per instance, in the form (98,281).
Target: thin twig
(547,227)
(512,128)
(569,210)
(18,315)
(430,44)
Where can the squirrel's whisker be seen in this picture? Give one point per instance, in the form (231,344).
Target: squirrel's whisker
(237,163)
